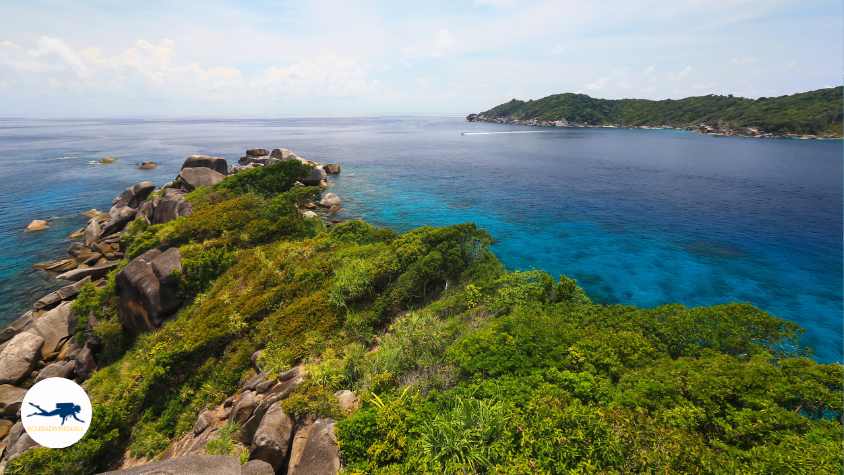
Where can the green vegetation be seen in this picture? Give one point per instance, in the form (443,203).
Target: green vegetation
(462,366)
(813,112)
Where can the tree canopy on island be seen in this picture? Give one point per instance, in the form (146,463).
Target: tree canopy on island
(813,112)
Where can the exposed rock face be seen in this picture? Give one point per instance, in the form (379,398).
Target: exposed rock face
(119,221)
(92,231)
(188,465)
(54,328)
(321,456)
(315,178)
(346,398)
(257,152)
(244,406)
(193,178)
(272,439)
(107,160)
(5,426)
(19,357)
(16,327)
(309,214)
(329,200)
(331,168)
(84,364)
(134,195)
(11,398)
(95,272)
(59,369)
(37,225)
(147,300)
(254,381)
(300,440)
(283,154)
(170,206)
(256,467)
(21,445)
(202,422)
(217,164)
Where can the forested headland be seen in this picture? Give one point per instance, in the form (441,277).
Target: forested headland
(817,113)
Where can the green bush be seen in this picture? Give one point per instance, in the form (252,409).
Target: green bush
(265,181)
(147,442)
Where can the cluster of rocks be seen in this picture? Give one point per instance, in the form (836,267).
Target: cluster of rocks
(276,442)
(721,128)
(39,344)
(261,157)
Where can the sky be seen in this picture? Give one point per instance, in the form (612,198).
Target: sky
(215,57)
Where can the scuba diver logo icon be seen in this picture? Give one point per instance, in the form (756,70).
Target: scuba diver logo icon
(56,412)
(63,409)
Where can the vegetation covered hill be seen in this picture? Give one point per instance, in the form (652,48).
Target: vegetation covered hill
(814,112)
(462,366)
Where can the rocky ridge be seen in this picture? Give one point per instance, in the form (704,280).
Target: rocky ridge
(40,344)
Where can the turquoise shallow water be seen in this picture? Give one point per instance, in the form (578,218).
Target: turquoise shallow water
(638,217)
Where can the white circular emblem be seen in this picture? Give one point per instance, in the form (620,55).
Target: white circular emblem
(56,412)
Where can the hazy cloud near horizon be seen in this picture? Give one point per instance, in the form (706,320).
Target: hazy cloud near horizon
(329,57)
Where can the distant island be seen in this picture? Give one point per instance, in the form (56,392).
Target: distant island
(813,114)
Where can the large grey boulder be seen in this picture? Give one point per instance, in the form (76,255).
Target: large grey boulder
(256,467)
(271,442)
(315,178)
(147,300)
(300,441)
(92,231)
(321,456)
(59,369)
(346,399)
(257,152)
(19,358)
(11,398)
(134,195)
(19,325)
(21,445)
(188,465)
(282,154)
(244,406)
(276,394)
(121,218)
(193,178)
(171,206)
(84,364)
(217,164)
(331,168)
(329,200)
(54,327)
(94,272)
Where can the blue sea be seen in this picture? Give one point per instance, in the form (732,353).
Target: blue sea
(643,217)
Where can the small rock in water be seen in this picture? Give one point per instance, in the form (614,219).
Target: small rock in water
(331,168)
(78,234)
(145,165)
(92,213)
(337,221)
(334,209)
(107,160)
(37,225)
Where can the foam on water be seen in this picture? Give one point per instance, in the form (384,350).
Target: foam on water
(642,217)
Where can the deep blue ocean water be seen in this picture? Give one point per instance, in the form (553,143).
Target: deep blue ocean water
(642,217)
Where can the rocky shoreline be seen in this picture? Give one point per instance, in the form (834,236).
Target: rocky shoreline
(721,128)
(45,342)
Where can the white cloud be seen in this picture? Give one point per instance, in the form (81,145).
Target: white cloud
(434,47)
(745,60)
(617,74)
(9,44)
(791,64)
(625,84)
(681,74)
(649,89)
(557,49)
(143,70)
(423,83)
(328,76)
(649,69)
